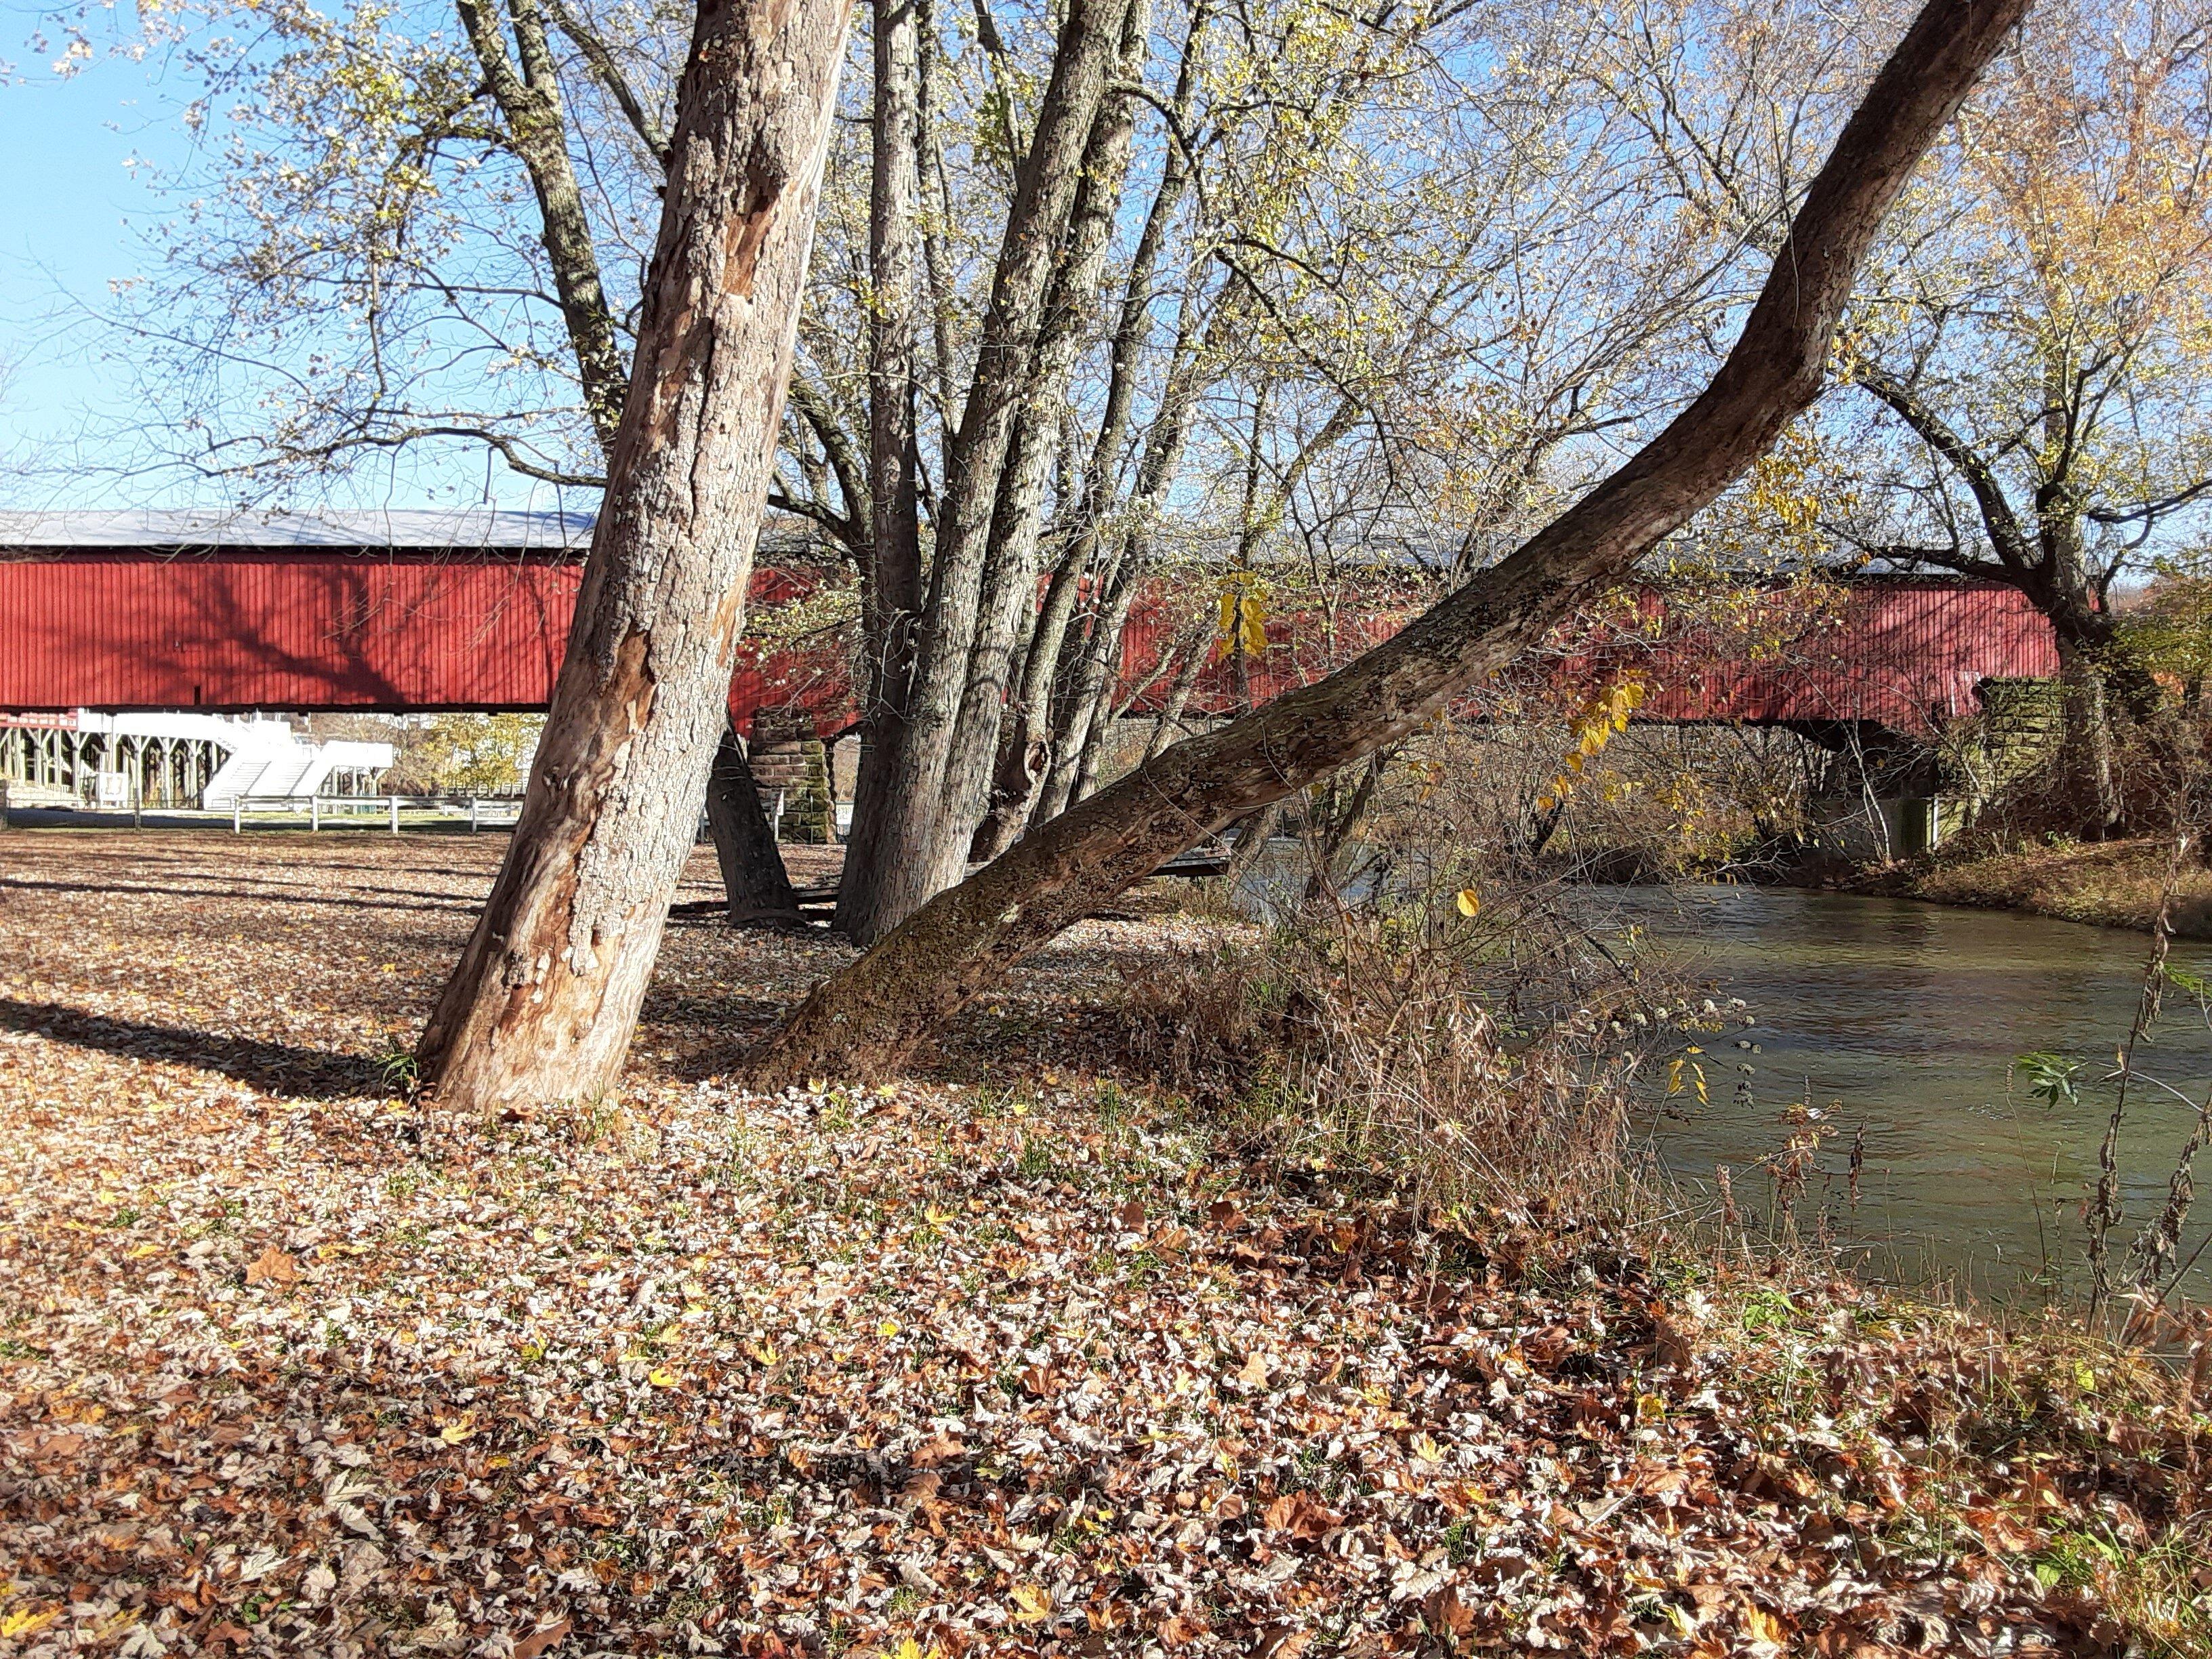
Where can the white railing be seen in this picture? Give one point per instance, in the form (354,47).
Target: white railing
(497,810)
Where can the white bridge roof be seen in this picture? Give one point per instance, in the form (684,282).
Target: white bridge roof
(475,528)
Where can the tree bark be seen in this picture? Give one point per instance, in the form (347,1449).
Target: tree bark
(528,98)
(1007,608)
(1034,760)
(963,941)
(758,887)
(911,856)
(545,997)
(890,589)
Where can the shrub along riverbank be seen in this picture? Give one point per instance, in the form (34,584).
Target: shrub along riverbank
(2115,883)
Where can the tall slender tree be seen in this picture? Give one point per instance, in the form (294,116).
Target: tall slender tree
(546,995)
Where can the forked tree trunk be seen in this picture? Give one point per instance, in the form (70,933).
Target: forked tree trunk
(754,879)
(914,849)
(964,939)
(545,997)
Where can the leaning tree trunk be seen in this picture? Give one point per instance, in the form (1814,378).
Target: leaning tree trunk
(758,887)
(963,940)
(546,995)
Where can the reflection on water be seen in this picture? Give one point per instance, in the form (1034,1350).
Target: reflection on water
(1905,1017)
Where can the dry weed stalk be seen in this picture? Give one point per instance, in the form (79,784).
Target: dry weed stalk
(1449,1055)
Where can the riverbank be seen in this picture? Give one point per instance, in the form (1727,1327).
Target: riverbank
(2107,884)
(1010,1355)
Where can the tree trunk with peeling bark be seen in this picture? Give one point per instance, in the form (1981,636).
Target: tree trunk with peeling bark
(963,941)
(527,89)
(545,997)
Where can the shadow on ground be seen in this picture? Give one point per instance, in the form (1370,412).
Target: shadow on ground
(274,1068)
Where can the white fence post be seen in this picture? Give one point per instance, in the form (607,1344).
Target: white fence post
(395,813)
(237,813)
(314,812)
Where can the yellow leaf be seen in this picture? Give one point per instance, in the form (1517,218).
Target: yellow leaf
(1762,1625)
(1426,1448)
(935,1216)
(143,1250)
(458,1430)
(661,1378)
(888,1329)
(539,1236)
(1469,902)
(1031,1605)
(23,1621)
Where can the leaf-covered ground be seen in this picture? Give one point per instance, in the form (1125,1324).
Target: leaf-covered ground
(1007,1357)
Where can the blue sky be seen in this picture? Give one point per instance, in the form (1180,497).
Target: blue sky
(73,218)
(65,197)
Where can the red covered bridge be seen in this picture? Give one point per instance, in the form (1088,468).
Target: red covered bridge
(417,612)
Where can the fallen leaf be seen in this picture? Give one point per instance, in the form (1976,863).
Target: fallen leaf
(1298,1514)
(1031,1605)
(938,1449)
(273,1265)
(1760,1625)
(541,1640)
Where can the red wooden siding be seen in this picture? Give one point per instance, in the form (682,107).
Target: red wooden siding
(1902,652)
(322,628)
(325,627)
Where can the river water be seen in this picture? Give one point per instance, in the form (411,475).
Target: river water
(1907,1019)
